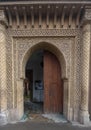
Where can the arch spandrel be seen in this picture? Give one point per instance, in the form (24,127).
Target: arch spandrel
(46,46)
(62,47)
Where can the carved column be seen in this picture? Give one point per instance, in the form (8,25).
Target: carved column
(3,89)
(20,98)
(84,114)
(66,99)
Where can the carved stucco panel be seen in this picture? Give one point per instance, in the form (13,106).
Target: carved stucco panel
(23,45)
(9,71)
(43,32)
(67,41)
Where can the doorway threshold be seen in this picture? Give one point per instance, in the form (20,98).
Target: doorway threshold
(57,118)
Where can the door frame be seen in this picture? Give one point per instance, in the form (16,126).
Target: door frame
(60,57)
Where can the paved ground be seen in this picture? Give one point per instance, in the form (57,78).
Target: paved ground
(30,125)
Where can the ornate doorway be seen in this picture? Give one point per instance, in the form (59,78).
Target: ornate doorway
(61,62)
(45,81)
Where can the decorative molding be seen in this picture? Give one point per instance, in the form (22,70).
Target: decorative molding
(68,43)
(44,32)
(45,2)
(50,16)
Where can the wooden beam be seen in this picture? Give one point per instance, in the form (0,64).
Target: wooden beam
(50,2)
(47,17)
(9,16)
(40,16)
(55,16)
(63,15)
(17,16)
(32,16)
(25,17)
(71,15)
(78,16)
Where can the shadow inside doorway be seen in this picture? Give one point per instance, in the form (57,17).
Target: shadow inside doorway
(33,84)
(33,107)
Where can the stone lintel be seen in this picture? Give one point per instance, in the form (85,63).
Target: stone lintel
(27,2)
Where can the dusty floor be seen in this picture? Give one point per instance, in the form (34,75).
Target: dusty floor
(29,125)
(39,118)
(34,112)
(36,121)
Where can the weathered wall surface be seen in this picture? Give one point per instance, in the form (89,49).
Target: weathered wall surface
(19,49)
(3,87)
(71,47)
(68,46)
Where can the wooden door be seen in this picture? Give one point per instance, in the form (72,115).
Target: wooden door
(53,91)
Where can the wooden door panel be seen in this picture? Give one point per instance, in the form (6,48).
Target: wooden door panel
(53,92)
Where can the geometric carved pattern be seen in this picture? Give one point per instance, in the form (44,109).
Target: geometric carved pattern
(9,72)
(14,47)
(85,67)
(69,46)
(62,44)
(23,45)
(3,83)
(66,40)
(77,86)
(3,90)
(44,32)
